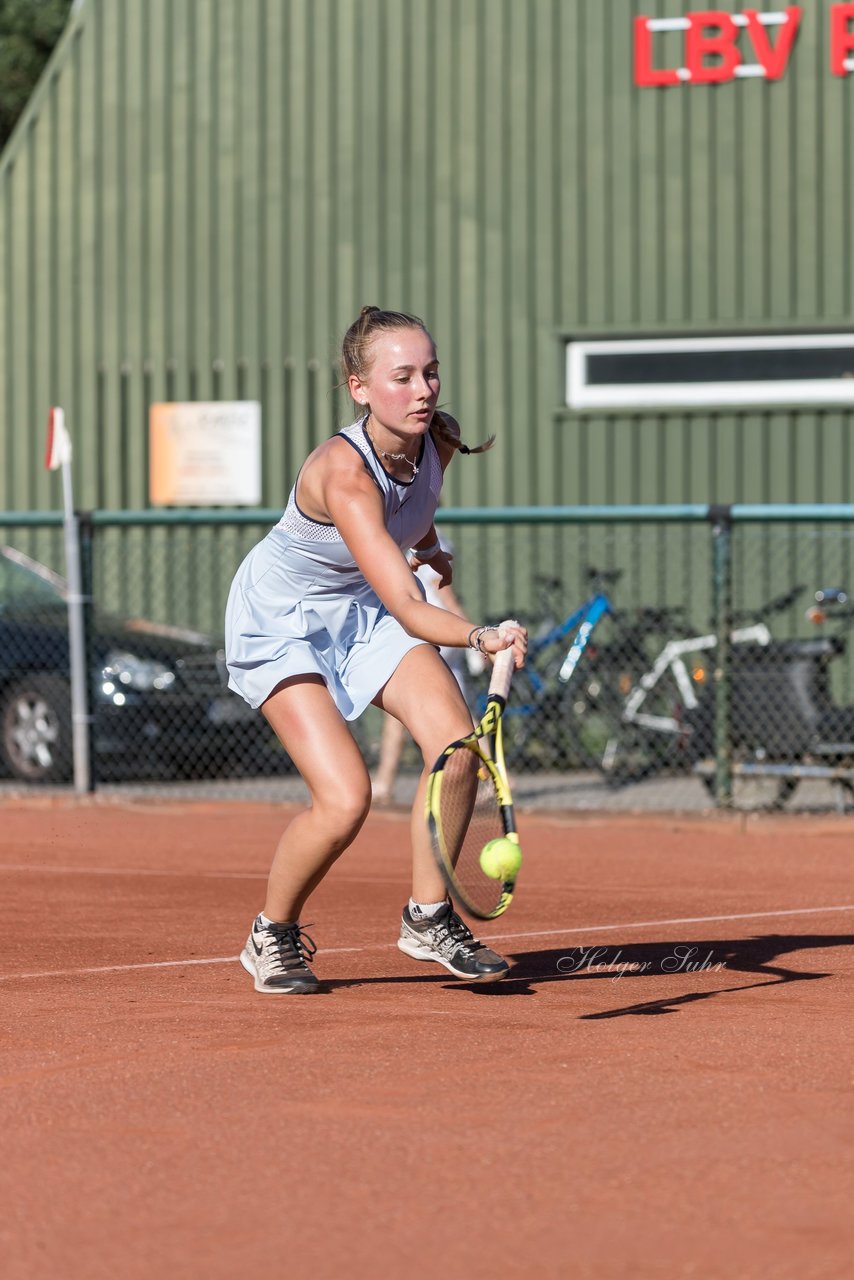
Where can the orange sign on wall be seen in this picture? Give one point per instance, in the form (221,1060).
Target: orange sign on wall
(205,453)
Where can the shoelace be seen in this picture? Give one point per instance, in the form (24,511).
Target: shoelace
(458,934)
(293,946)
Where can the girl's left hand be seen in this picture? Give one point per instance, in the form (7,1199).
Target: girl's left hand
(441,564)
(507,635)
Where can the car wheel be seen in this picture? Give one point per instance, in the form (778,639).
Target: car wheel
(35,729)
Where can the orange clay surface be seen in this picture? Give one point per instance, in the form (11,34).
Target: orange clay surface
(662,1087)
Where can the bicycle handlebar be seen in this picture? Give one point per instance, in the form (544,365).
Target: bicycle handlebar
(592,574)
(777,605)
(659,617)
(831,596)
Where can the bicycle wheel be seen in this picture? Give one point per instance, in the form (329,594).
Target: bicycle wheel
(632,755)
(659,740)
(538,734)
(592,704)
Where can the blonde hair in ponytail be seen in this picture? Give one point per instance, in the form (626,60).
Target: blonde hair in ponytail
(356,358)
(445,434)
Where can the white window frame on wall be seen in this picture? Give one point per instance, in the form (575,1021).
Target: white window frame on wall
(642,395)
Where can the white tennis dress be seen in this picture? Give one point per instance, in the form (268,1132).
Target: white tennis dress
(300,605)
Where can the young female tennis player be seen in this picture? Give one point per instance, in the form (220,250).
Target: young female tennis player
(325,617)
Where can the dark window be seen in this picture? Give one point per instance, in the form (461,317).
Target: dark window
(765,365)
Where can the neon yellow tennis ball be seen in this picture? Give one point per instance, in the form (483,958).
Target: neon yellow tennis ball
(501,859)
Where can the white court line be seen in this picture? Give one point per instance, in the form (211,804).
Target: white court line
(42,868)
(652,924)
(494,937)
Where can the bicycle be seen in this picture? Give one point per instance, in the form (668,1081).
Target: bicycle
(564,711)
(661,724)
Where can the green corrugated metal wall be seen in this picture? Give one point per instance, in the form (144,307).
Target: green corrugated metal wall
(203,193)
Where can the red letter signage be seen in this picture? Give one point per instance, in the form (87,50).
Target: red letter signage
(645,73)
(712,53)
(721,46)
(841,39)
(774,59)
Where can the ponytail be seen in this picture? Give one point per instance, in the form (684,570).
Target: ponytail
(449,435)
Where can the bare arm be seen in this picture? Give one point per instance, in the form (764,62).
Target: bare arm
(449,600)
(343,492)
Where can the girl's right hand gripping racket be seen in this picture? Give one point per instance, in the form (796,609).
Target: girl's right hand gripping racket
(470,810)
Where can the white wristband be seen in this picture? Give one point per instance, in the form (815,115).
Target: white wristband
(428,552)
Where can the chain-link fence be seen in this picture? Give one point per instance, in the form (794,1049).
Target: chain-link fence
(680,656)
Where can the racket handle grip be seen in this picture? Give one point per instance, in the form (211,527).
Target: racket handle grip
(502,674)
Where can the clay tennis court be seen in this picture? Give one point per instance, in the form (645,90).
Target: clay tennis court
(661,1088)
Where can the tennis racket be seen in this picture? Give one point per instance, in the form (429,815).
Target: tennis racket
(469,805)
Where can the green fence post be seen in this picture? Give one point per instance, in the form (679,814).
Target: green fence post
(85,535)
(721,519)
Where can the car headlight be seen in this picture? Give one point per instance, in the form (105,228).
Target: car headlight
(123,670)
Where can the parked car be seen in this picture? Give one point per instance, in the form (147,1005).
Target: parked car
(158,694)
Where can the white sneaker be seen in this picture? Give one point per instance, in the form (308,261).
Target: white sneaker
(276,955)
(446,939)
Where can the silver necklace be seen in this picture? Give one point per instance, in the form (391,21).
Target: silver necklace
(392,457)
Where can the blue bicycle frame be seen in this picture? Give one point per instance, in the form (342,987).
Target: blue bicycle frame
(586,618)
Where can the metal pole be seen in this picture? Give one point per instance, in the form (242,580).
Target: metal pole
(85,530)
(76,640)
(722,585)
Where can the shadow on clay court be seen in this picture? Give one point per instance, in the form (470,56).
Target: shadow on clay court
(614,963)
(650,960)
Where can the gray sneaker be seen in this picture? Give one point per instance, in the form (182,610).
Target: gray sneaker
(446,939)
(276,955)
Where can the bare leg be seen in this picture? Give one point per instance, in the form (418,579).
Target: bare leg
(426,698)
(391,748)
(317,739)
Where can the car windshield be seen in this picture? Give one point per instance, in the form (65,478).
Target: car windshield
(26,584)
